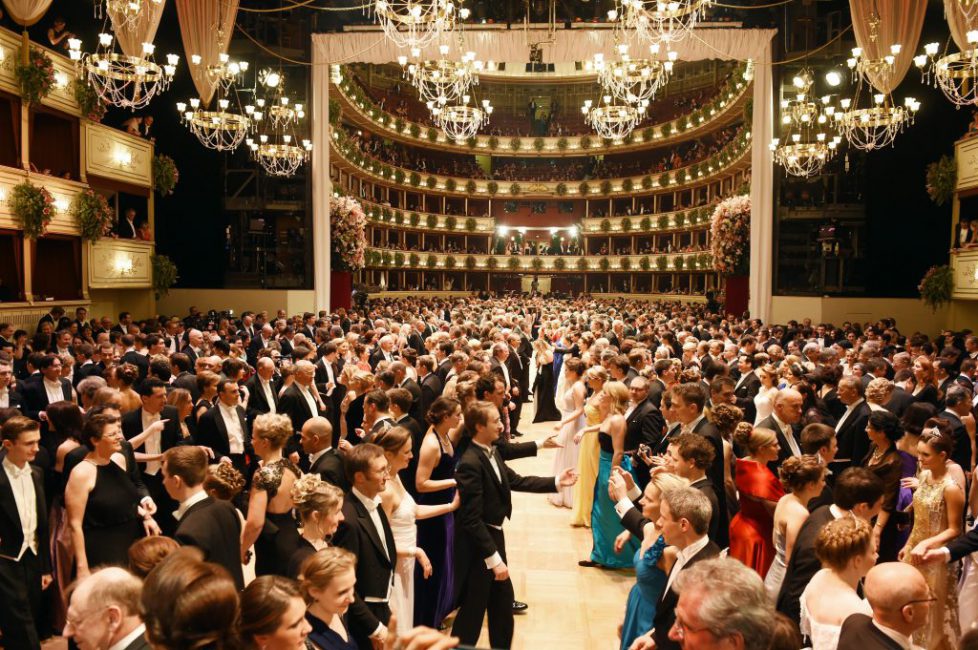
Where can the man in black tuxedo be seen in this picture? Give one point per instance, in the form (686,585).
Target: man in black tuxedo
(9,397)
(858,493)
(262,390)
(785,414)
(25,557)
(301,400)
(689,456)
(184,378)
(89,364)
(900,399)
(57,319)
(442,353)
(901,602)
(104,612)
(224,429)
(321,457)
(384,352)
(154,409)
(683,520)
(643,421)
(366,532)
(400,400)
(482,583)
(957,402)
(259,343)
(431,385)
(328,369)
(211,525)
(819,440)
(657,386)
(747,387)
(131,355)
(416,337)
(500,366)
(48,387)
(851,428)
(401,380)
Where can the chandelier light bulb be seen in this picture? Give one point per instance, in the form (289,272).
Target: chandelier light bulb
(195,59)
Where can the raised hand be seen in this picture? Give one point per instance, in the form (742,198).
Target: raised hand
(568,477)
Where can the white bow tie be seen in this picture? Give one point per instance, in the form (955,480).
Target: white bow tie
(19,472)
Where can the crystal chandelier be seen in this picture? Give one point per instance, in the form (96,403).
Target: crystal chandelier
(125,13)
(223,129)
(121,80)
(632,80)
(955,74)
(462,122)
(442,81)
(873,120)
(806,146)
(658,21)
(277,149)
(414,23)
(613,121)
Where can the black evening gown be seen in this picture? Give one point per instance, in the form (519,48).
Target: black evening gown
(434,597)
(280,535)
(322,636)
(111,523)
(543,395)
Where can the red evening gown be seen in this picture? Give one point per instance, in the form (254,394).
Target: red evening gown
(752,528)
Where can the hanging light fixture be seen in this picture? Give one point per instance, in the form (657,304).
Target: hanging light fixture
(442,81)
(223,129)
(416,24)
(806,145)
(956,74)
(121,80)
(873,120)
(461,122)
(278,148)
(632,80)
(126,13)
(658,21)
(612,120)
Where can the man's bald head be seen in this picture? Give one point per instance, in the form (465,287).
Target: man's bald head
(787,405)
(899,596)
(107,602)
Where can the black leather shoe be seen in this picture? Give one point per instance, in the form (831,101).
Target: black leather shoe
(519,608)
(516,434)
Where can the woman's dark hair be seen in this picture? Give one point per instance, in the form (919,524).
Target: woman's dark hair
(916,415)
(146,553)
(937,435)
(189,604)
(440,409)
(127,374)
(65,418)
(886,423)
(263,604)
(95,424)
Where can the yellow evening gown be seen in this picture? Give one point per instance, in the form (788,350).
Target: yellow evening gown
(587,470)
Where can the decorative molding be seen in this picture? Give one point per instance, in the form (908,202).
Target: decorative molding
(61,96)
(965,266)
(120,264)
(966,153)
(116,155)
(545,263)
(63,191)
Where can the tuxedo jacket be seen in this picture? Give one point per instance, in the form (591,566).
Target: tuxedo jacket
(431,389)
(377,356)
(486,500)
(14,399)
(11,531)
(322,377)
(416,341)
(899,401)
(665,610)
(645,425)
(745,394)
(172,435)
(852,439)
(187,381)
(212,432)
(961,453)
(656,388)
(141,362)
(213,526)
(293,404)
(706,486)
(35,397)
(257,401)
(375,567)
(87,370)
(442,369)
(715,473)
(784,451)
(803,563)
(663,445)
(858,631)
(330,468)
(412,387)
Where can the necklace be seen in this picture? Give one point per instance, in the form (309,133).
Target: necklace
(877,455)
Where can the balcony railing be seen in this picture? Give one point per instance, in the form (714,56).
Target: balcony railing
(730,97)
(423,220)
(689,176)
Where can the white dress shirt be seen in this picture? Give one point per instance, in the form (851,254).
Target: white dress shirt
(186,504)
(310,400)
(845,416)
(317,455)
(4,398)
(22,484)
(505,373)
(54,391)
(125,641)
(233,425)
(266,389)
(788,433)
(152,446)
(682,557)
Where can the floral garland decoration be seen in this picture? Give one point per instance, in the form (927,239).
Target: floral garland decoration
(936,286)
(33,207)
(347,234)
(941,177)
(730,235)
(164,274)
(165,174)
(36,77)
(93,214)
(92,106)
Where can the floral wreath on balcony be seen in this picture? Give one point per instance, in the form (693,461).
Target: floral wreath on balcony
(36,77)
(730,233)
(93,214)
(936,286)
(165,174)
(347,224)
(92,106)
(32,207)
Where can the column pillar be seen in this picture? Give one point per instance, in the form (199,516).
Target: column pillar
(762,191)
(321,187)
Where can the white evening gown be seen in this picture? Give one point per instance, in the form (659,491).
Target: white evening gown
(775,575)
(822,635)
(405,532)
(567,456)
(764,404)
(968,593)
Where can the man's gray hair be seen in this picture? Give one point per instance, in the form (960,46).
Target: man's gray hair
(692,505)
(88,386)
(114,586)
(732,599)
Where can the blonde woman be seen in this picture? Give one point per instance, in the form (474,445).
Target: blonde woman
(752,529)
(319,507)
(327,582)
(587,455)
(605,523)
(764,400)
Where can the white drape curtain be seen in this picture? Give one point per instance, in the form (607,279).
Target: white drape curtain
(143,29)
(571,45)
(900,22)
(206,27)
(960,21)
(26,12)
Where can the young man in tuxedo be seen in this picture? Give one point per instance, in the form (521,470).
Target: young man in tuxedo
(25,558)
(211,525)
(482,582)
(224,428)
(103,612)
(366,532)
(901,602)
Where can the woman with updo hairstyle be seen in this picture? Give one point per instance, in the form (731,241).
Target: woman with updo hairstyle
(938,504)
(184,402)
(803,478)
(146,553)
(726,417)
(270,500)
(435,483)
(752,529)
(273,615)
(327,581)
(883,459)
(571,405)
(319,506)
(847,552)
(126,375)
(190,604)
(403,512)
(207,382)
(588,454)
(764,400)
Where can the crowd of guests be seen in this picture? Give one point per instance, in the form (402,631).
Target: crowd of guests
(337,479)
